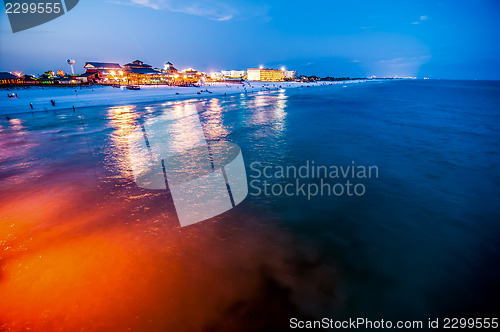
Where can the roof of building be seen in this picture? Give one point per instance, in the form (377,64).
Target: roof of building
(171,68)
(7,76)
(143,71)
(102,65)
(137,64)
(189,71)
(28,78)
(88,74)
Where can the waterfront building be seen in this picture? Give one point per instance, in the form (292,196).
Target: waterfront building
(108,72)
(290,74)
(137,73)
(89,78)
(68,80)
(216,76)
(137,64)
(169,69)
(265,74)
(189,76)
(138,76)
(101,67)
(238,74)
(8,78)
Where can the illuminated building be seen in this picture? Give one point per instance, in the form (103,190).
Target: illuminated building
(233,73)
(137,73)
(265,74)
(8,78)
(169,69)
(106,71)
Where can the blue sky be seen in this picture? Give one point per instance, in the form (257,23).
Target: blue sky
(437,39)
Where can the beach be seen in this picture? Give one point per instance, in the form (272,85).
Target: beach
(89,96)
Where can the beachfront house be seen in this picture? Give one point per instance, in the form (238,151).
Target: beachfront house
(8,78)
(107,72)
(88,78)
(137,64)
(68,80)
(169,70)
(137,73)
(189,76)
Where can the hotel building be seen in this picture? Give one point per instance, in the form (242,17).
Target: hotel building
(290,74)
(257,74)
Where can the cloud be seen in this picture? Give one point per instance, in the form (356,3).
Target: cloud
(217,10)
(422,18)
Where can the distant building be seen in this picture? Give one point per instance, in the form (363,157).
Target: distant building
(138,76)
(103,67)
(216,76)
(169,69)
(8,78)
(68,81)
(290,74)
(190,75)
(108,72)
(234,74)
(137,73)
(190,72)
(137,64)
(28,79)
(257,74)
(89,78)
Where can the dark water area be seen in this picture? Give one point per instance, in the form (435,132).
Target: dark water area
(82,247)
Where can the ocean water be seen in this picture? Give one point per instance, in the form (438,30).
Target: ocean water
(82,247)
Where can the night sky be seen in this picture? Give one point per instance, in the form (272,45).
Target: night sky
(437,39)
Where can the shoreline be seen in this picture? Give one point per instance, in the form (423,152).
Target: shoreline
(106,96)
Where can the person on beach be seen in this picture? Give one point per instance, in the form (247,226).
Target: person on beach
(31,105)
(53,102)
